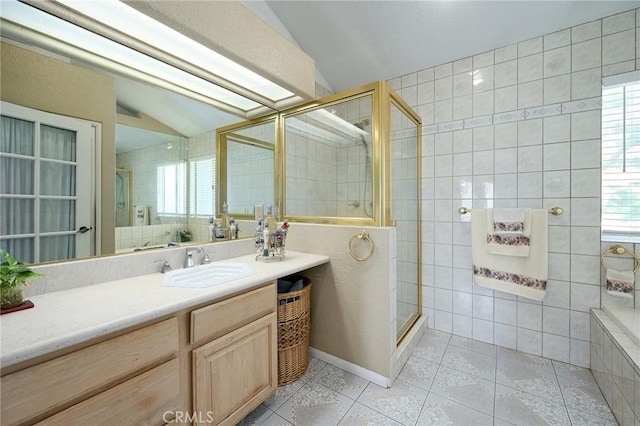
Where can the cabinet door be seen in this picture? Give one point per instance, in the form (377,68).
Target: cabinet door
(232,375)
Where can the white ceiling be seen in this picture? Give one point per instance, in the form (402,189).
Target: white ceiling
(357,42)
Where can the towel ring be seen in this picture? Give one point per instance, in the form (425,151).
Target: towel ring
(362,235)
(618,249)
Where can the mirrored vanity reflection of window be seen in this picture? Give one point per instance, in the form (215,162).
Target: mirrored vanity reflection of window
(621,157)
(246,158)
(328,160)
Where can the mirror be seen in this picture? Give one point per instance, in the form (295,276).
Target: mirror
(246,174)
(162,192)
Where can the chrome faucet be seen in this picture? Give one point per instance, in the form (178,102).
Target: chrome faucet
(205,258)
(166,266)
(189,262)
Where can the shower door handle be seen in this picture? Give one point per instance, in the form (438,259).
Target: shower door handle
(84,229)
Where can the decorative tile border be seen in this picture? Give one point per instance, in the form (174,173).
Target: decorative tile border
(517,115)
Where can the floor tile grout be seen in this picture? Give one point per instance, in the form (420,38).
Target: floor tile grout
(476,359)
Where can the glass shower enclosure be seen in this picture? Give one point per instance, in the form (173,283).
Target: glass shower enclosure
(354,159)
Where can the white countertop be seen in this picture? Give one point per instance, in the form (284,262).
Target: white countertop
(65,318)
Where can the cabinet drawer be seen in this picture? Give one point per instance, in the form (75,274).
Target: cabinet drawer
(36,390)
(148,399)
(220,318)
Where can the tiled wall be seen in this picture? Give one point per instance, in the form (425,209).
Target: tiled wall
(615,370)
(518,126)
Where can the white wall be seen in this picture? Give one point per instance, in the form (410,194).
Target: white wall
(518,126)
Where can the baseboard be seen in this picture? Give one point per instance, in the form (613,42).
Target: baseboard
(351,368)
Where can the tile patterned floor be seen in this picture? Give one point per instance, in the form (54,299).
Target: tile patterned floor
(448,380)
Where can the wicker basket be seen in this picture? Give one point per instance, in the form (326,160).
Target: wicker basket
(294,326)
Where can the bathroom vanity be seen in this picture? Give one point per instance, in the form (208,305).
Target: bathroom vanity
(134,351)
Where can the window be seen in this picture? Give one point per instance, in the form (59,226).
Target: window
(171,189)
(201,187)
(621,157)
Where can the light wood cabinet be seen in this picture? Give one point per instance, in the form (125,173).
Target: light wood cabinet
(211,365)
(233,374)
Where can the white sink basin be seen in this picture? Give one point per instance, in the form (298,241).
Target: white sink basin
(206,275)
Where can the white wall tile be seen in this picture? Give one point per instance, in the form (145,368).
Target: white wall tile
(506,99)
(580,323)
(584,297)
(483,307)
(426,75)
(483,187)
(530,132)
(482,103)
(483,163)
(530,68)
(463,326)
(585,183)
(557,156)
(585,154)
(506,53)
(529,316)
(557,39)
(530,185)
(556,321)
(483,330)
(505,335)
(586,83)
(443,88)
(586,54)
(557,184)
(560,267)
(463,65)
(443,143)
(530,94)
(557,129)
(620,22)
(559,239)
(580,353)
(558,294)
(426,92)
(483,138)
(618,47)
(483,60)
(506,74)
(462,164)
(409,80)
(585,211)
(463,304)
(530,159)
(585,269)
(506,160)
(505,311)
(462,84)
(529,47)
(556,347)
(557,61)
(621,67)
(585,240)
(443,299)
(585,125)
(506,135)
(483,79)
(529,341)
(557,89)
(444,111)
(586,31)
(443,321)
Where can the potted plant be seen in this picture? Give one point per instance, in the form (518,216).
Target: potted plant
(13,276)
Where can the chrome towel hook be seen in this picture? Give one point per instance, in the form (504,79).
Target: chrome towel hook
(364,236)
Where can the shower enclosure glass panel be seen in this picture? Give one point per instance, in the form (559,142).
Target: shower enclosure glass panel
(328,160)
(405,158)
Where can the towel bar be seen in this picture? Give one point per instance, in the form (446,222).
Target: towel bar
(556,211)
(618,249)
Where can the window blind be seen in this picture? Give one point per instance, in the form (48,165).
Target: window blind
(202,190)
(621,157)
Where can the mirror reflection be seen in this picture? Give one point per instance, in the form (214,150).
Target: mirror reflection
(149,178)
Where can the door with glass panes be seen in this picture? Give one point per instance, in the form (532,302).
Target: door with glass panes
(47,180)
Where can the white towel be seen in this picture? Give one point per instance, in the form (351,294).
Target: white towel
(508,231)
(620,283)
(522,276)
(507,221)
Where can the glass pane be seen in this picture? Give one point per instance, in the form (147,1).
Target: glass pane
(58,144)
(57,179)
(21,249)
(16,136)
(57,247)
(249,176)
(17,216)
(328,161)
(16,176)
(57,215)
(404,210)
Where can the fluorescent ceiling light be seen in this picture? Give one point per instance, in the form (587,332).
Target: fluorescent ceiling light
(322,125)
(93,46)
(136,24)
